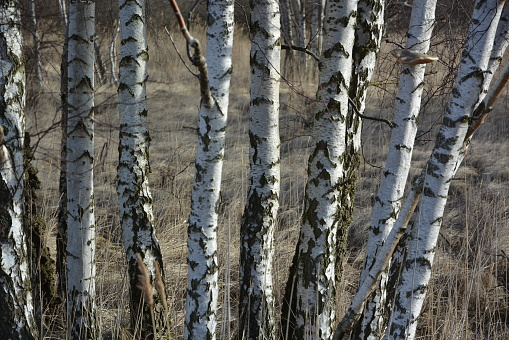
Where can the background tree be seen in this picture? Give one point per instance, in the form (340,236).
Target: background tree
(17,312)
(256,305)
(81,308)
(134,197)
(61,238)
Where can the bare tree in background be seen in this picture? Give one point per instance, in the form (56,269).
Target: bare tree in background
(17,312)
(81,308)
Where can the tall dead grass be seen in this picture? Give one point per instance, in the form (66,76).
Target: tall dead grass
(469,294)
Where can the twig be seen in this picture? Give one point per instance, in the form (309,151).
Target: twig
(197,59)
(301,49)
(352,104)
(178,53)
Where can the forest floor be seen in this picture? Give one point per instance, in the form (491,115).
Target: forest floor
(469,293)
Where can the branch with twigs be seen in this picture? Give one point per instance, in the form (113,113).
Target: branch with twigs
(197,59)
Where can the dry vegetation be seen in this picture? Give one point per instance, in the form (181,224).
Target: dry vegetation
(469,296)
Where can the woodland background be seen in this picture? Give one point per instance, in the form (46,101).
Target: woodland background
(469,293)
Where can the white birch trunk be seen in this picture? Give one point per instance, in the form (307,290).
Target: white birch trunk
(80,158)
(134,197)
(202,289)
(391,191)
(309,306)
(17,312)
(443,164)
(257,319)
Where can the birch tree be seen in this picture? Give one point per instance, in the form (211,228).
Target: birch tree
(134,197)
(309,305)
(81,307)
(215,74)
(391,191)
(17,312)
(446,157)
(256,305)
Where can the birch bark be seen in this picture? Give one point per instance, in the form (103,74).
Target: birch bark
(445,159)
(390,194)
(134,197)
(309,303)
(202,288)
(257,318)
(81,312)
(17,312)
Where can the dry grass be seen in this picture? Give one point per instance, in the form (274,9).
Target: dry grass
(469,295)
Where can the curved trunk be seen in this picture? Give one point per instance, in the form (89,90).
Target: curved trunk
(373,322)
(445,159)
(202,286)
(17,312)
(257,318)
(81,307)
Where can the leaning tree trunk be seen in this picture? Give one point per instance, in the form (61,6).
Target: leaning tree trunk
(373,322)
(309,305)
(17,312)
(134,197)
(446,157)
(81,312)
(256,305)
(202,288)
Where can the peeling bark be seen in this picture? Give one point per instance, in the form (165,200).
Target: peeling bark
(16,299)
(134,196)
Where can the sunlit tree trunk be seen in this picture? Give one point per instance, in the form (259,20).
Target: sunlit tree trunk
(309,304)
(17,312)
(134,197)
(388,202)
(446,157)
(257,318)
(202,289)
(81,308)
